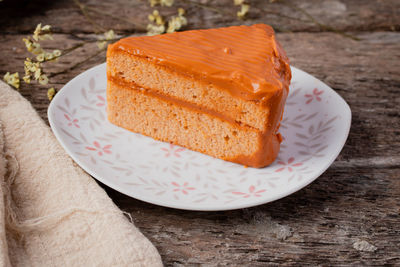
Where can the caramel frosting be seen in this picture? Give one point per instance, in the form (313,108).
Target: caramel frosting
(245,60)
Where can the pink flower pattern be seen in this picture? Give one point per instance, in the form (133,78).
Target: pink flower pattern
(102,101)
(251,192)
(71,122)
(289,165)
(315,94)
(173,150)
(184,188)
(100,150)
(206,186)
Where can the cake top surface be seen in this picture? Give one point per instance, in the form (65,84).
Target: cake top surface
(247,60)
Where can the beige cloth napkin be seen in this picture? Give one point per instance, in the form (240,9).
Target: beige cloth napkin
(51,212)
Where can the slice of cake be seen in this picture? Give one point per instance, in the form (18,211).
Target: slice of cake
(219,91)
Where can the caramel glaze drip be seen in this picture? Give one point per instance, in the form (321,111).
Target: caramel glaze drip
(245,60)
(270,139)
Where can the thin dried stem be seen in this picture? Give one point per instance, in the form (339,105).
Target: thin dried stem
(72,48)
(283,16)
(139,26)
(212,8)
(83,8)
(77,64)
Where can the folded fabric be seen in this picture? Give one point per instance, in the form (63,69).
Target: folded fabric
(51,212)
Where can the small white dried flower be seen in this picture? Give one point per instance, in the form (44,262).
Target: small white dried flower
(154,2)
(161,2)
(27,79)
(177,22)
(36,49)
(156,17)
(31,67)
(155,29)
(109,35)
(238,2)
(167,2)
(28,44)
(37,32)
(37,74)
(243,11)
(101,44)
(51,93)
(12,79)
(56,53)
(40,57)
(46,28)
(43,80)
(48,56)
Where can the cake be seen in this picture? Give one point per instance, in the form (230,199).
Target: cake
(217,91)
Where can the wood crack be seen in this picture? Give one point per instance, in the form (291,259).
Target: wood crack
(374,162)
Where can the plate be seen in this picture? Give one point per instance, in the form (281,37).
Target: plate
(315,126)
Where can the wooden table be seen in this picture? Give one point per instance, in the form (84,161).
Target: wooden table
(352,45)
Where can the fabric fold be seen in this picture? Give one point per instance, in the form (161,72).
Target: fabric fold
(53,213)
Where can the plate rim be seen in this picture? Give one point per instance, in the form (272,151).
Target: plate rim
(347,116)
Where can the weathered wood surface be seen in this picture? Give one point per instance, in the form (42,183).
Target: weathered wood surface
(349,15)
(358,198)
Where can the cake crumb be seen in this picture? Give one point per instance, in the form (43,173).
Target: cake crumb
(362,245)
(227,50)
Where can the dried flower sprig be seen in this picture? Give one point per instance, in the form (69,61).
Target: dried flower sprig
(33,68)
(32,44)
(33,65)
(157,26)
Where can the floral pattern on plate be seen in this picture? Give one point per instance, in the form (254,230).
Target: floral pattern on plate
(315,126)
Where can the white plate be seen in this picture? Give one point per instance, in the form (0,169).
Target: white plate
(315,127)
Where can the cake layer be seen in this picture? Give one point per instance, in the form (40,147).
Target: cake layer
(142,111)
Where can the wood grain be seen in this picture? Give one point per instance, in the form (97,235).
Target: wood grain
(286,16)
(323,221)
(357,198)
